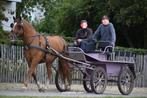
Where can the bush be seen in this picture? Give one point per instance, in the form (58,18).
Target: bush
(133,50)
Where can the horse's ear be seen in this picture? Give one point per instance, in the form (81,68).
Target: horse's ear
(19,19)
(11,25)
(14,18)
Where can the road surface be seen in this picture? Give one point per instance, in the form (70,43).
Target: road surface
(76,91)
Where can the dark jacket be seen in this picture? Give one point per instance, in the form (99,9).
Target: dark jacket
(105,33)
(85,34)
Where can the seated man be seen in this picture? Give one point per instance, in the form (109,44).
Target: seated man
(105,33)
(84,36)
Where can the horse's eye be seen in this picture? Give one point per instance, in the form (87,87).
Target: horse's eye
(11,25)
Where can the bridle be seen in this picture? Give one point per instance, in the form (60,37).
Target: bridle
(19,33)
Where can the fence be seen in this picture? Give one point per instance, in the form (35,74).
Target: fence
(13,67)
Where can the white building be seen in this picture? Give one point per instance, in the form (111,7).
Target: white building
(36,14)
(9,12)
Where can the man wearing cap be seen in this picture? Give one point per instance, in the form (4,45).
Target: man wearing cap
(105,33)
(83,36)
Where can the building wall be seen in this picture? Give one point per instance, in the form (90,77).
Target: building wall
(9,12)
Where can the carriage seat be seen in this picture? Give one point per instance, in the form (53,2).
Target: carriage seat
(103,47)
(106,48)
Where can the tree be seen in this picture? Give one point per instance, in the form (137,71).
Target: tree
(63,16)
(130,18)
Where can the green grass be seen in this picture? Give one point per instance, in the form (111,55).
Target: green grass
(63,97)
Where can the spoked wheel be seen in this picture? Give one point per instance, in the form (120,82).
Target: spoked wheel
(125,81)
(98,80)
(60,84)
(86,83)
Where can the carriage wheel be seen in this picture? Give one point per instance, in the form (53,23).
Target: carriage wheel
(125,81)
(86,83)
(98,80)
(60,85)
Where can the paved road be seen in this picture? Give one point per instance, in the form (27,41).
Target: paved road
(77,90)
(67,94)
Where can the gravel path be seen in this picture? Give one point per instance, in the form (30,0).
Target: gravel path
(77,90)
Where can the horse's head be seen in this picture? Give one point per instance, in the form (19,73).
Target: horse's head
(17,29)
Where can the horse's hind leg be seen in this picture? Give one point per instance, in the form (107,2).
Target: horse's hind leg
(64,71)
(49,61)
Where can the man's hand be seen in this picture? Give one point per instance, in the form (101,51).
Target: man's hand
(79,40)
(75,43)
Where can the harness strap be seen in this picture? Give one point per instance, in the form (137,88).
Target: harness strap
(48,49)
(37,47)
(46,42)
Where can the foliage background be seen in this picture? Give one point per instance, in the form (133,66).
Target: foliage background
(62,17)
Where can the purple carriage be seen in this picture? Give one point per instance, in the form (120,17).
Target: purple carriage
(97,68)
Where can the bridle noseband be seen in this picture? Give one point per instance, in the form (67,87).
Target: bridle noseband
(19,33)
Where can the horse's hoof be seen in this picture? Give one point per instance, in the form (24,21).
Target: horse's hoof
(41,90)
(68,88)
(24,88)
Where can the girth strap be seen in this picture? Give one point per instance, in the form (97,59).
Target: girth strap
(46,42)
(47,49)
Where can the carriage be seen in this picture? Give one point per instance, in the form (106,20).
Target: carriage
(98,66)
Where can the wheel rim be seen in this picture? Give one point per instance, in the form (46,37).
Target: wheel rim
(126,81)
(99,81)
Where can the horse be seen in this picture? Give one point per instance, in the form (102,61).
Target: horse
(24,30)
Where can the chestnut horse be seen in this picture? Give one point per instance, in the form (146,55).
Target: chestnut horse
(34,56)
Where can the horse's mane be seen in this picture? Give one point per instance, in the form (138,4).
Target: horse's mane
(28,25)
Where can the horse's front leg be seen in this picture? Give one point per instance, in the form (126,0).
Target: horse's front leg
(31,72)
